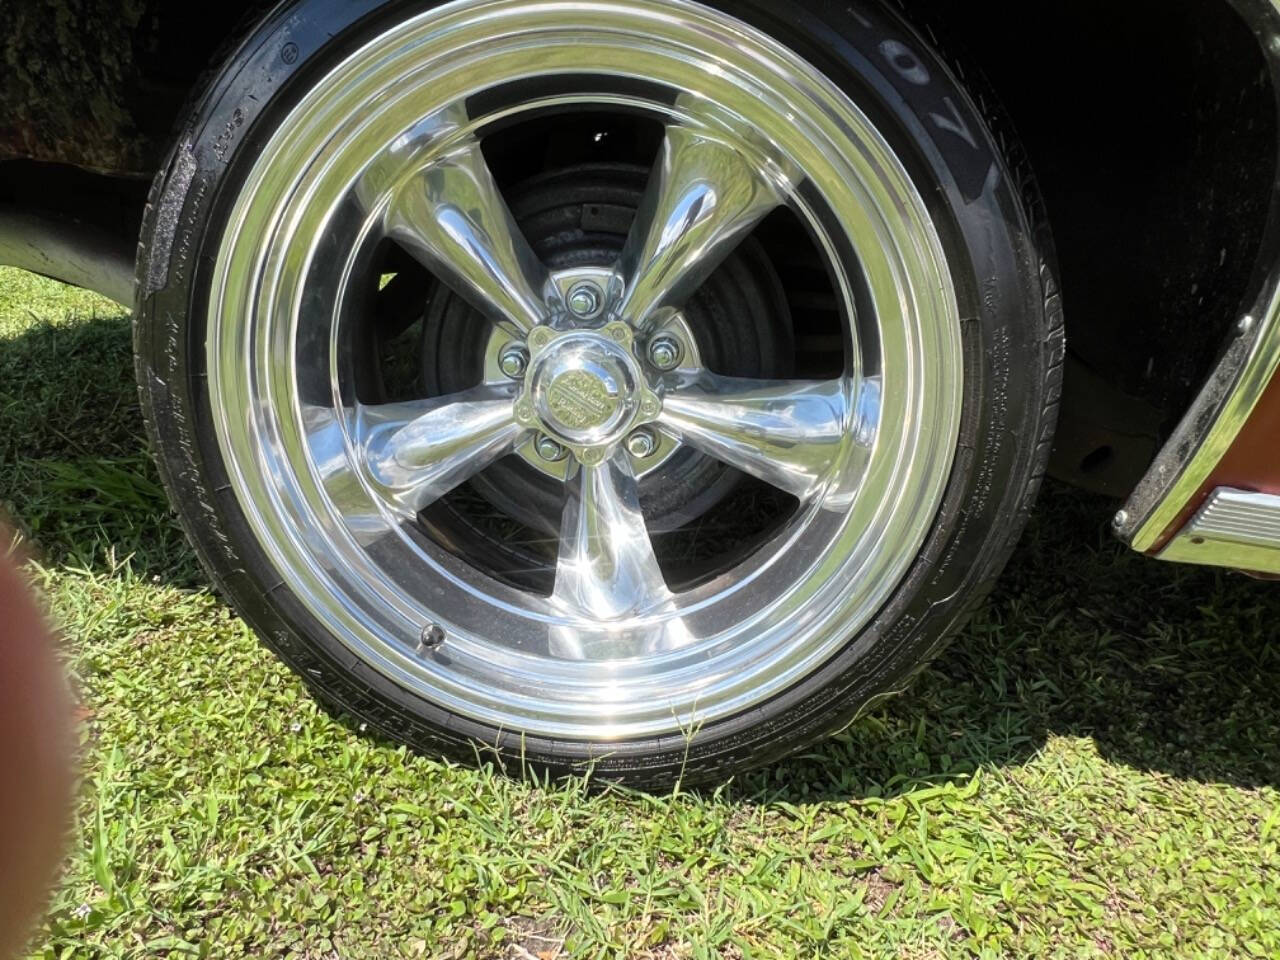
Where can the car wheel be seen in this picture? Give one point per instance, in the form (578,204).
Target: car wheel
(640,385)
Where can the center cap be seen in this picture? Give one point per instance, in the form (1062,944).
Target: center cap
(583,399)
(584,387)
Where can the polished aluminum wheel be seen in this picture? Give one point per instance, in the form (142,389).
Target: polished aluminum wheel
(592,374)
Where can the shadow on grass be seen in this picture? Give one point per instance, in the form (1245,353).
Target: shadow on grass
(75,475)
(1171,669)
(1167,668)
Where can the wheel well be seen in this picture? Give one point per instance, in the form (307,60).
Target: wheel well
(1151,128)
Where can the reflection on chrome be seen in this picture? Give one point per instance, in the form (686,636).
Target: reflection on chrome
(386,149)
(453,218)
(606,569)
(703,198)
(417,452)
(789,434)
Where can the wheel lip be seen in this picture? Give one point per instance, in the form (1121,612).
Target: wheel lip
(306,577)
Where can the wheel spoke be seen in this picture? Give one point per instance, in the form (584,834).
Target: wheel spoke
(703,198)
(606,569)
(452,217)
(786,432)
(418,451)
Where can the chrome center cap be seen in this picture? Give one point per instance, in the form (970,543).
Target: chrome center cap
(582,398)
(584,387)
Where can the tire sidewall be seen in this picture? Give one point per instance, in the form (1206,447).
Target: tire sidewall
(1008,310)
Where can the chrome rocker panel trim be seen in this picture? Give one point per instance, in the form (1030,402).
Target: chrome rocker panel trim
(1234,528)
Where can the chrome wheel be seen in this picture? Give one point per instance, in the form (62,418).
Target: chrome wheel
(589,374)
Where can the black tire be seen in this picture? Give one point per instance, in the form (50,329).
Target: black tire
(984,205)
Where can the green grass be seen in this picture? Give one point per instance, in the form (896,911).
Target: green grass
(1092,769)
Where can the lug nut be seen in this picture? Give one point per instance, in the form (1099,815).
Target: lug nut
(642,443)
(585,300)
(513,361)
(664,352)
(548,449)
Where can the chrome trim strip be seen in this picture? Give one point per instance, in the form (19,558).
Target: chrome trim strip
(1226,410)
(1234,528)
(1249,360)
